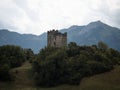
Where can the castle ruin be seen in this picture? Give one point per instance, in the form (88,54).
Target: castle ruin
(56,39)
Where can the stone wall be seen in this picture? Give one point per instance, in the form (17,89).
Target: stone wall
(56,39)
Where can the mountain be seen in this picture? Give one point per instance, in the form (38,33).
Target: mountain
(93,33)
(82,35)
(24,40)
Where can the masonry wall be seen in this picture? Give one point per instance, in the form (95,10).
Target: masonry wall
(56,39)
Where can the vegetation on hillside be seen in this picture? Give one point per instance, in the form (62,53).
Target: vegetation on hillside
(11,57)
(55,66)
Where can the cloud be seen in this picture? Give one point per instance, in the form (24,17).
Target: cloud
(38,16)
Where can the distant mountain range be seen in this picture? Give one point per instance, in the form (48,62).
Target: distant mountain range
(82,35)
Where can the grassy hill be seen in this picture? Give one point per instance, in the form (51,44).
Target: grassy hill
(106,81)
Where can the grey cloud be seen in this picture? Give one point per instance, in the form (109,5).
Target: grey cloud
(117,18)
(19,16)
(5,25)
(23,4)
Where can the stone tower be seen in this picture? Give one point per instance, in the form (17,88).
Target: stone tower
(56,39)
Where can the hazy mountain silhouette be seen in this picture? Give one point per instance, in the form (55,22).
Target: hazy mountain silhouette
(82,35)
(93,33)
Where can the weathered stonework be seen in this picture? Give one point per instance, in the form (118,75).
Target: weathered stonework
(56,39)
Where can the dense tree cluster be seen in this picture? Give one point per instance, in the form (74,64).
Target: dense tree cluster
(54,66)
(10,57)
(29,55)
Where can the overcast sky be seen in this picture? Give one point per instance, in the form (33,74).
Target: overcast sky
(38,16)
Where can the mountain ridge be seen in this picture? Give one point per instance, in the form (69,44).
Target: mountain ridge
(82,35)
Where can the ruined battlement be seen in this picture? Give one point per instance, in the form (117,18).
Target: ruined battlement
(56,39)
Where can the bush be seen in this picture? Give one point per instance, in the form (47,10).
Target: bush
(4,73)
(10,57)
(55,66)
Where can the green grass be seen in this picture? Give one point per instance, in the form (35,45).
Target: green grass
(106,81)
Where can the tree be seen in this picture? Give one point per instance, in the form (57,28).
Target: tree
(54,66)
(73,49)
(10,56)
(4,72)
(29,54)
(102,45)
